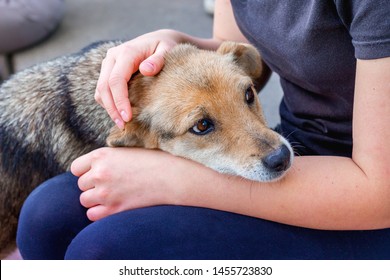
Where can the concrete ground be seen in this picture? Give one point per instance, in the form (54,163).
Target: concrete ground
(87,21)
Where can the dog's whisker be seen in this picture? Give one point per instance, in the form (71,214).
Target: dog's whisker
(291,133)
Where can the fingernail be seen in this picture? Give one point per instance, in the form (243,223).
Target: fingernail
(148,66)
(124,115)
(120,124)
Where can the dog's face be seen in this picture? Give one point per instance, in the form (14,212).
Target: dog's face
(203,106)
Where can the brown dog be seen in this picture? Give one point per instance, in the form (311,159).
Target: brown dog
(202,106)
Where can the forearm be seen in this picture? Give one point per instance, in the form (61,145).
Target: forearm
(322,192)
(318,192)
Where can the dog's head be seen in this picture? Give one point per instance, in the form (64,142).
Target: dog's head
(203,106)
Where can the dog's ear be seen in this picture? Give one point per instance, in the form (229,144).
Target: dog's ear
(135,134)
(249,59)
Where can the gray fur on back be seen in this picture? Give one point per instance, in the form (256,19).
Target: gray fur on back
(56,97)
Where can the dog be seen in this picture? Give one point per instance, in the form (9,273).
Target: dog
(202,106)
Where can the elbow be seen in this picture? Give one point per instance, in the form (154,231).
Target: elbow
(380,202)
(375,180)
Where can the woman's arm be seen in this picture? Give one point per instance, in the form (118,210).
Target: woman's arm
(225,27)
(326,192)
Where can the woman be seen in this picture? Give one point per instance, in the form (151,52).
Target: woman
(333,59)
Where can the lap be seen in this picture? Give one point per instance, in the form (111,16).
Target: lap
(53,225)
(175,232)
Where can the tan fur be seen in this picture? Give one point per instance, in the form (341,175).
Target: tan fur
(211,85)
(57,119)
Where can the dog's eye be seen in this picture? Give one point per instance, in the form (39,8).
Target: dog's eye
(202,127)
(249,96)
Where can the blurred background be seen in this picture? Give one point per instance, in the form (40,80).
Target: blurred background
(65,26)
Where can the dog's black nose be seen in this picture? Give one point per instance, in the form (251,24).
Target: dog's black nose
(278,160)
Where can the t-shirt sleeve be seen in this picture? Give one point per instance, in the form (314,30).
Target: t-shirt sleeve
(368,22)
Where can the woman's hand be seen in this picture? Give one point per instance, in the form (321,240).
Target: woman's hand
(118,179)
(144,53)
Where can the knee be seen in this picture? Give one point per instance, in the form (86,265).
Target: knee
(49,211)
(134,234)
(37,208)
(48,199)
(160,232)
(104,239)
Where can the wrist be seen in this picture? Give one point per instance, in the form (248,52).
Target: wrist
(196,185)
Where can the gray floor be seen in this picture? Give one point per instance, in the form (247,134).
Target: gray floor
(87,21)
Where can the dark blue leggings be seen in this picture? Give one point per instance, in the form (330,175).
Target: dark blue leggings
(53,225)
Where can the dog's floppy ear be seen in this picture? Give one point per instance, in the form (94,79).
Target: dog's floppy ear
(248,58)
(135,134)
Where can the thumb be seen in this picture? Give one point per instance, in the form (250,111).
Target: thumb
(154,63)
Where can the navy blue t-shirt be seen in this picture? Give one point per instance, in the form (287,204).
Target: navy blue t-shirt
(313,46)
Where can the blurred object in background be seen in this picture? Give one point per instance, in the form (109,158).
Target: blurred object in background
(24,23)
(208,6)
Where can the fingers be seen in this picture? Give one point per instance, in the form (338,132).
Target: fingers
(81,165)
(94,199)
(108,103)
(112,90)
(98,212)
(120,64)
(85,182)
(105,71)
(154,63)
(120,75)
(103,94)
(96,209)
(89,198)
